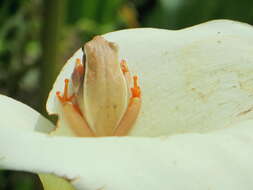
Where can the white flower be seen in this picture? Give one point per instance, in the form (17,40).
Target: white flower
(194,130)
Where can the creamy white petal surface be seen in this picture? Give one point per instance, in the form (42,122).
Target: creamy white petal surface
(197,79)
(219,160)
(15,114)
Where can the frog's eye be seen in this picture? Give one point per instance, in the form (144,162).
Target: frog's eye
(114,46)
(84,56)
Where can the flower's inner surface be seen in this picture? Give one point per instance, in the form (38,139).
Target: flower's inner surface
(103,102)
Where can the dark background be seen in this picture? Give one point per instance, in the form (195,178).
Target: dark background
(37,37)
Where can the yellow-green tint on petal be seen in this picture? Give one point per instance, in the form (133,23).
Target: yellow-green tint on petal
(52,182)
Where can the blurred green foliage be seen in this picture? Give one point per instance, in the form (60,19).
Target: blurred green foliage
(37,37)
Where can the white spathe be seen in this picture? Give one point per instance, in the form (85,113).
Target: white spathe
(193,80)
(14,114)
(219,160)
(196,80)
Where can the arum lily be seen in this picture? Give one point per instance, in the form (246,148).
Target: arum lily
(193,130)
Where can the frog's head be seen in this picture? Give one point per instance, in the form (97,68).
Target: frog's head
(101,57)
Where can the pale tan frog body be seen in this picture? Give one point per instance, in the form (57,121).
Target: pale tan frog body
(103,104)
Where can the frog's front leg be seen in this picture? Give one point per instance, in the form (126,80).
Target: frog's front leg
(134,105)
(73,114)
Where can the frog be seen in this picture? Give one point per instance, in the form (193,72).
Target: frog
(106,100)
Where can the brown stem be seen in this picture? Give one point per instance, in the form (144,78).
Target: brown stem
(53,16)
